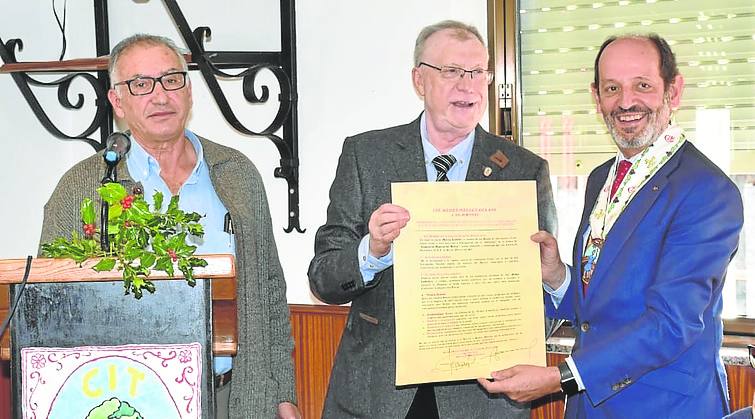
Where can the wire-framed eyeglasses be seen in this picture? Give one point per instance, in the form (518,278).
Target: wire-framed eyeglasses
(451,72)
(140,86)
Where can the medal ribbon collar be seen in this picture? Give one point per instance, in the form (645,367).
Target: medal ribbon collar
(606,210)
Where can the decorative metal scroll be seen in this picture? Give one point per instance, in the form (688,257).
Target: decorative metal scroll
(24,81)
(210,64)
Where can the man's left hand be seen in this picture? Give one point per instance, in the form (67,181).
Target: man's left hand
(524,383)
(288,410)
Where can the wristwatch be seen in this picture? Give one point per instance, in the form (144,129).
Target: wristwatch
(568,382)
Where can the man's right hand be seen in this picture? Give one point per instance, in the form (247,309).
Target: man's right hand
(553,269)
(384,226)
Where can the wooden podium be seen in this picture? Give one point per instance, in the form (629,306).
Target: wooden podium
(65,306)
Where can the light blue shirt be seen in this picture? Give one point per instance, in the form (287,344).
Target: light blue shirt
(197,195)
(370,265)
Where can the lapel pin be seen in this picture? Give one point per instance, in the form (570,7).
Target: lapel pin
(656,188)
(499,159)
(487,171)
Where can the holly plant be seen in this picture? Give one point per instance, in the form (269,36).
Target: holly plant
(141,239)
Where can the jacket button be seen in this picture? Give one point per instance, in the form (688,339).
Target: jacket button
(585,327)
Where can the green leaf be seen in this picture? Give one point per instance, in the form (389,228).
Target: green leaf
(113,228)
(196,230)
(147,260)
(131,253)
(197,262)
(139,210)
(173,205)
(163,264)
(192,217)
(112,192)
(159,245)
(87,211)
(114,211)
(157,201)
(106,264)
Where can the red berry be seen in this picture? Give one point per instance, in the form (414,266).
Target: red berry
(89,230)
(127,201)
(172,254)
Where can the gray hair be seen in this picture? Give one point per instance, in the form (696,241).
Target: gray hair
(461,31)
(141,39)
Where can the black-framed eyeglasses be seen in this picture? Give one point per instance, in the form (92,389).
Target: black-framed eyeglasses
(451,72)
(140,86)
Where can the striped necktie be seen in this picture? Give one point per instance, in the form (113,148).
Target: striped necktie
(442,165)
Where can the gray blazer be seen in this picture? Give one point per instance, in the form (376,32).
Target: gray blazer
(263,371)
(363,377)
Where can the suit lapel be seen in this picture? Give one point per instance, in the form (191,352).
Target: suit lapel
(481,167)
(405,156)
(630,218)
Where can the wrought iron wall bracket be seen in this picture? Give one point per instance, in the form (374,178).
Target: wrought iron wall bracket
(210,64)
(282,65)
(24,83)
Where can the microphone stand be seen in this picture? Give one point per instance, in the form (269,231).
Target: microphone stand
(118,144)
(111,175)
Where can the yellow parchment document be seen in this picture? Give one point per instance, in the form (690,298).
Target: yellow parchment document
(467,283)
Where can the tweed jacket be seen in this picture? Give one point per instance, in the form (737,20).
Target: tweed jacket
(362,382)
(263,368)
(649,325)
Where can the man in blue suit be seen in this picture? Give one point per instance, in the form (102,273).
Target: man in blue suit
(660,225)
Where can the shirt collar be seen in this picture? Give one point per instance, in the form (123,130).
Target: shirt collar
(141,164)
(461,151)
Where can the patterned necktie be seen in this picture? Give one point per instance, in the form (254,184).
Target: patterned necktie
(621,171)
(442,165)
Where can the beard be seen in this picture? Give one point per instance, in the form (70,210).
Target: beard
(658,121)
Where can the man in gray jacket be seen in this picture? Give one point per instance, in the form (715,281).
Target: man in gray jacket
(353,250)
(151,91)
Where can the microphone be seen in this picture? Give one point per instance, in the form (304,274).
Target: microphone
(116,146)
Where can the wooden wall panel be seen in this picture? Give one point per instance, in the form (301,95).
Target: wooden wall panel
(549,407)
(741,386)
(316,331)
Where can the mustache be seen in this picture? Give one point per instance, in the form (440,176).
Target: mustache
(634,109)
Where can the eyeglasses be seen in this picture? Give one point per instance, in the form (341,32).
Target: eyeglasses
(140,86)
(450,72)
(751,350)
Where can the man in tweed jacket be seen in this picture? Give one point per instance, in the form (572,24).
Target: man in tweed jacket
(263,378)
(353,254)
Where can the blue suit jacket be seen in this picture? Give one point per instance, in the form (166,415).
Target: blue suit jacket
(649,329)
